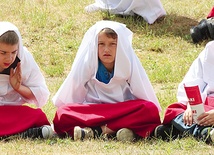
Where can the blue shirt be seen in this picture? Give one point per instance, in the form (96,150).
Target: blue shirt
(103,75)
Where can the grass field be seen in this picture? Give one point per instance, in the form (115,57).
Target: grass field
(52,31)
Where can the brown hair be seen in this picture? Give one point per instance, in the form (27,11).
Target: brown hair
(109,32)
(9,37)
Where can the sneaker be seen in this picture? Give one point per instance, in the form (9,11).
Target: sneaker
(83,133)
(125,135)
(165,132)
(212,135)
(45,131)
(207,135)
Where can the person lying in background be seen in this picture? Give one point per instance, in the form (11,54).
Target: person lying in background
(152,11)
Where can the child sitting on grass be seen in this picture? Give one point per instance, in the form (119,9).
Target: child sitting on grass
(21,82)
(178,120)
(107,90)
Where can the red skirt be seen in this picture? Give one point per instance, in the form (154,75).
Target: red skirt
(138,115)
(16,119)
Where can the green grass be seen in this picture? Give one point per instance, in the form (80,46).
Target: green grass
(52,30)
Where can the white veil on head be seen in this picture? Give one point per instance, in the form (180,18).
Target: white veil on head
(88,48)
(127,68)
(31,74)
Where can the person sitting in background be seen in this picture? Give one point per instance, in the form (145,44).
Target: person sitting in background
(178,120)
(151,10)
(107,90)
(20,82)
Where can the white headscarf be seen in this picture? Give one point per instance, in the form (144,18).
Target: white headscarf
(31,76)
(129,81)
(200,73)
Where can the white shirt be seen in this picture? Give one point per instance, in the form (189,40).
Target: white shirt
(200,73)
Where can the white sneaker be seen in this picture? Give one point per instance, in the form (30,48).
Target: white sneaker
(212,135)
(83,133)
(125,135)
(44,131)
(47,131)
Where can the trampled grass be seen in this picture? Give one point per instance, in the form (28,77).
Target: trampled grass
(53,29)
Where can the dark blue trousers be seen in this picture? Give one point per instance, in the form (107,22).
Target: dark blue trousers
(197,131)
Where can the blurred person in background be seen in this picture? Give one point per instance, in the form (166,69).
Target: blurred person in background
(150,10)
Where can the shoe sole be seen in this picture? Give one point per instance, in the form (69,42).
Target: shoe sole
(212,135)
(125,135)
(156,131)
(77,133)
(47,131)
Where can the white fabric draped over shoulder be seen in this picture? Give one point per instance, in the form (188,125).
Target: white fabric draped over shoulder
(129,81)
(200,73)
(150,10)
(31,76)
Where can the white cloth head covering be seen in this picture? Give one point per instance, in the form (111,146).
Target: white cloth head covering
(129,81)
(200,73)
(31,76)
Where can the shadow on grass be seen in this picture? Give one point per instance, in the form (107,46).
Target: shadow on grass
(171,25)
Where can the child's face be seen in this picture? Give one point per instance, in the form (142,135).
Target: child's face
(7,55)
(107,50)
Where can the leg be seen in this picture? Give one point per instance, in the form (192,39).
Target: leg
(138,115)
(123,134)
(197,131)
(184,129)
(19,119)
(44,131)
(176,128)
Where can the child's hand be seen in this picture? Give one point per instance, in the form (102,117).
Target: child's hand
(16,77)
(206,119)
(187,117)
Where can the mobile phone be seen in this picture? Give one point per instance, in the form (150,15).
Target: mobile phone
(13,65)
